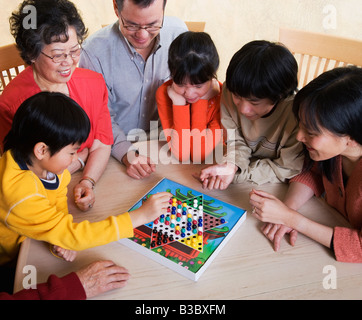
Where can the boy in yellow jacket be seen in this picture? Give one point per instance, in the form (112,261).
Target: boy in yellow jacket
(47,131)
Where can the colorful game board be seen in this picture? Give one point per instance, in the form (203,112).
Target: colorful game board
(190,233)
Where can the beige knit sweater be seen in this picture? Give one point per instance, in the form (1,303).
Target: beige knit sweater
(264,150)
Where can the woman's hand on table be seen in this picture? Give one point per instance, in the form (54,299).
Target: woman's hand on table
(276,214)
(276,232)
(84,196)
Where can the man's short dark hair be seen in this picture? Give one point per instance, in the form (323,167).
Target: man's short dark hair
(140,3)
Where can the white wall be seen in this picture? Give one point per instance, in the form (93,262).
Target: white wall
(232,23)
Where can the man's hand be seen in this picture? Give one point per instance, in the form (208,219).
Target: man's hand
(102,276)
(138,166)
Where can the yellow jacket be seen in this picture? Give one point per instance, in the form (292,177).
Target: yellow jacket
(32,208)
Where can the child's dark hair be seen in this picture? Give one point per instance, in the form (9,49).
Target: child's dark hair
(140,3)
(262,69)
(48,117)
(332,101)
(193,56)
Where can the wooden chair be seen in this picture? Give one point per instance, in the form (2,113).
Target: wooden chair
(195,26)
(317,53)
(10,64)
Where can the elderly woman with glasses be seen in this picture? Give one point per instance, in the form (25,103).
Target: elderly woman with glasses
(52,51)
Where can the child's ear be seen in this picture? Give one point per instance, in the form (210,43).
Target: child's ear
(352,143)
(115,7)
(40,150)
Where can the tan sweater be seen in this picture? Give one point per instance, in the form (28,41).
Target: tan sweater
(30,207)
(265,150)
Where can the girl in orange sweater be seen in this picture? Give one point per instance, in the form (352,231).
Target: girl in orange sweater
(189,104)
(329,110)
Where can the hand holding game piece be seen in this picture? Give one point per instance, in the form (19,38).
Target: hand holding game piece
(150,209)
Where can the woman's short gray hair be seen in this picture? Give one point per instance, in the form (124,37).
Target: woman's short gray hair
(53,18)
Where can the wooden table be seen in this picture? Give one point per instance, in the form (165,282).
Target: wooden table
(246,268)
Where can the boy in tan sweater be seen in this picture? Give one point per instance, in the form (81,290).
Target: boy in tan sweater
(256,111)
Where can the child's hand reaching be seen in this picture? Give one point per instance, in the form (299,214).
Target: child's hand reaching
(218,176)
(65,254)
(151,209)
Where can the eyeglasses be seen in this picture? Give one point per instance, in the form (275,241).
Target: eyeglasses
(135,27)
(58,58)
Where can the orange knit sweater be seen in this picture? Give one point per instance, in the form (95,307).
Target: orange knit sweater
(347,199)
(184,126)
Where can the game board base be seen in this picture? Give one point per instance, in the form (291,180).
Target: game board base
(177,267)
(216,230)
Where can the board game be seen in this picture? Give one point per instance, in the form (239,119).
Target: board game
(190,233)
